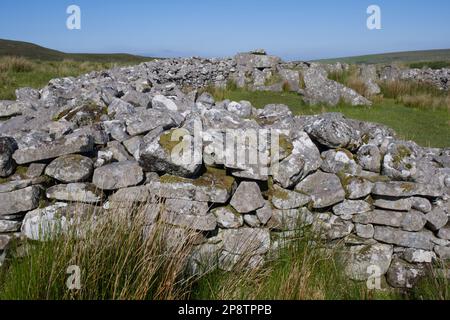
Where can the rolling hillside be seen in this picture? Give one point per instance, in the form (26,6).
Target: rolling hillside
(35,52)
(408,57)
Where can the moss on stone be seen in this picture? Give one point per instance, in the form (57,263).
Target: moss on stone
(215,177)
(166,141)
(407,187)
(286,144)
(347,153)
(402,153)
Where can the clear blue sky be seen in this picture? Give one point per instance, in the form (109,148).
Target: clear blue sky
(289,28)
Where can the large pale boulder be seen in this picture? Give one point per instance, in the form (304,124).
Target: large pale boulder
(118,175)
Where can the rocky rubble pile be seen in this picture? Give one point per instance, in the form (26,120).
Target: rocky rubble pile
(109,138)
(439,78)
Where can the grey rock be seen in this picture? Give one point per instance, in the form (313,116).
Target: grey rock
(421,204)
(285,199)
(402,274)
(242,109)
(75,192)
(182,157)
(252,221)
(397,205)
(54,149)
(369,158)
(357,188)
(366,231)
(265,213)
(228,218)
(405,189)
(200,223)
(339,161)
(8,226)
(436,219)
(360,260)
(118,151)
(410,221)
(325,189)
(44,224)
(70,168)
(118,175)
(247,198)
(442,252)
(35,170)
(7,148)
(444,232)
(349,208)
(334,133)
(290,220)
(19,201)
(246,241)
(148,120)
(419,256)
(419,240)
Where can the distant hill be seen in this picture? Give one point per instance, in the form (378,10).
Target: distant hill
(33,51)
(407,57)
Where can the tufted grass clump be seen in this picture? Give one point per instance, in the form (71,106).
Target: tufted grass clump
(117,261)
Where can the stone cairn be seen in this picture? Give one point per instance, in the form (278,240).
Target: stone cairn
(107,137)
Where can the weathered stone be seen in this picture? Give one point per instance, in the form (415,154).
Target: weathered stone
(400,161)
(118,151)
(357,188)
(436,219)
(265,213)
(247,198)
(54,149)
(442,252)
(186,207)
(174,152)
(421,204)
(339,161)
(410,221)
(397,205)
(348,208)
(118,175)
(369,158)
(360,260)
(252,221)
(242,109)
(290,220)
(419,240)
(7,148)
(337,228)
(8,226)
(195,222)
(70,168)
(44,224)
(246,241)
(405,189)
(285,199)
(35,170)
(228,218)
(19,201)
(419,256)
(404,275)
(365,231)
(325,189)
(147,121)
(334,133)
(75,192)
(444,232)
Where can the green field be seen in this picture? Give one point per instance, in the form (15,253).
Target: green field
(425,58)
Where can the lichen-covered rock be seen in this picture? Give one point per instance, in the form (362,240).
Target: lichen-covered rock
(228,218)
(44,224)
(54,149)
(247,198)
(285,199)
(7,148)
(409,221)
(75,192)
(118,175)
(246,241)
(349,208)
(357,187)
(419,256)
(406,189)
(339,161)
(290,220)
(19,201)
(402,274)
(325,189)
(365,231)
(396,205)
(265,213)
(419,240)
(70,168)
(369,158)
(334,133)
(436,219)
(173,152)
(360,260)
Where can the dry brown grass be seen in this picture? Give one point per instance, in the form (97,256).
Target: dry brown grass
(15,64)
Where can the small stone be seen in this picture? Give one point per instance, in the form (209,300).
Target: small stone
(247,198)
(351,207)
(419,256)
(19,201)
(396,205)
(35,170)
(365,231)
(444,233)
(118,175)
(436,219)
(265,213)
(70,168)
(75,192)
(228,218)
(357,188)
(252,220)
(402,274)
(285,199)
(442,252)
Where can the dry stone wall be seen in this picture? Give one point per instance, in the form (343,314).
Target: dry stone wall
(107,139)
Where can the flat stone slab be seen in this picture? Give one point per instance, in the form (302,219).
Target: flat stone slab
(54,149)
(118,175)
(406,189)
(20,201)
(419,240)
(75,192)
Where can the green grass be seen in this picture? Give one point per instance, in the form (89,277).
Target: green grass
(430,64)
(427,127)
(395,57)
